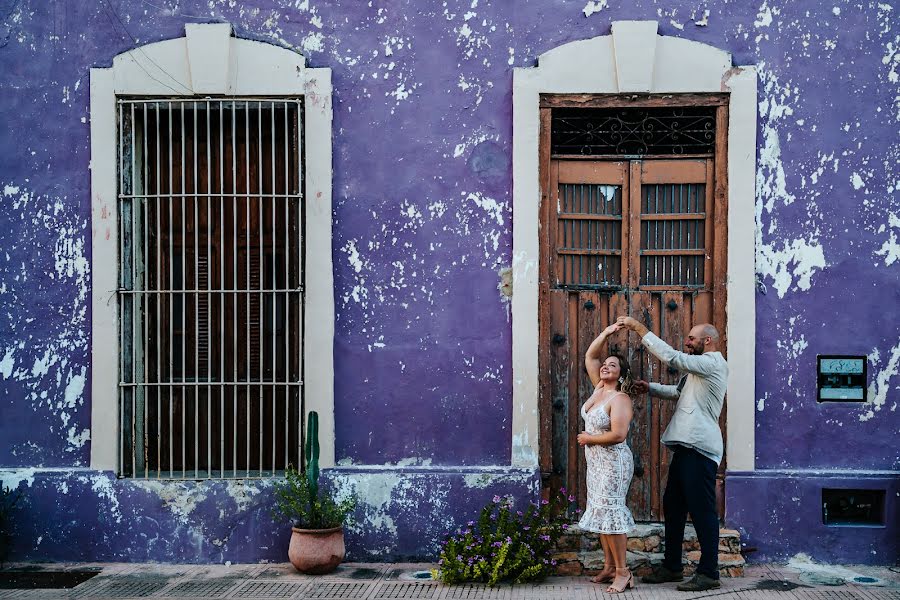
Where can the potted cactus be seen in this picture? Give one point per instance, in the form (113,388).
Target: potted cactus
(317,518)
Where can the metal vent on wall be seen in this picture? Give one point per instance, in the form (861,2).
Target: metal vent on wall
(633,131)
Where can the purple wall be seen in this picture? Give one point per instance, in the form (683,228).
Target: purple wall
(422,226)
(780,515)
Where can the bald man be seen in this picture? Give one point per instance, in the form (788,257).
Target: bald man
(695,441)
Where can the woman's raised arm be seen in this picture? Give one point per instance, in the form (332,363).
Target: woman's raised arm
(592,358)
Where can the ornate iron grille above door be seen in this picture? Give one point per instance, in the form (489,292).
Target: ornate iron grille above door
(633,131)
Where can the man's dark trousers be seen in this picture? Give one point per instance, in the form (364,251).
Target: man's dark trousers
(691,488)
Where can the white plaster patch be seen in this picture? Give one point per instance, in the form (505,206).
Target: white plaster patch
(13,478)
(890,249)
(44,367)
(788,263)
(764,15)
(594,6)
(703,21)
(181,498)
(881,382)
(489,205)
(8,363)
(102,485)
(794,263)
(314,42)
(471,141)
(243,493)
(477,480)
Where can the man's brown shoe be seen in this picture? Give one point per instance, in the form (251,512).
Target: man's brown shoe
(663,574)
(699,583)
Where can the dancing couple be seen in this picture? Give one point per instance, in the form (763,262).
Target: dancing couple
(692,436)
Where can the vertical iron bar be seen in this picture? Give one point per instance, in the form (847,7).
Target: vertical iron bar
(261,267)
(196,295)
(158,312)
(120,301)
(171,330)
(135,334)
(209,235)
(221,291)
(183,303)
(300,299)
(274,280)
(145,300)
(234,296)
(247,265)
(120,209)
(287,297)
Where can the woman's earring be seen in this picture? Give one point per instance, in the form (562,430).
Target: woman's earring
(621,380)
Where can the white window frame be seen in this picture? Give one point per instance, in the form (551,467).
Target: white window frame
(634,59)
(210,61)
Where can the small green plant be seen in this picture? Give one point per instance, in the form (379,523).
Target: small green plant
(8,500)
(504,544)
(306,508)
(300,499)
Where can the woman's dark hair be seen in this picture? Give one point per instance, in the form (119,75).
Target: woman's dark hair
(626,382)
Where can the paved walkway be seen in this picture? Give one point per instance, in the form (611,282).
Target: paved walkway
(392,581)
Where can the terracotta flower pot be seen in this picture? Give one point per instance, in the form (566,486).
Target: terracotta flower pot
(316,551)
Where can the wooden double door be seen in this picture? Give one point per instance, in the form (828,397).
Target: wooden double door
(645,238)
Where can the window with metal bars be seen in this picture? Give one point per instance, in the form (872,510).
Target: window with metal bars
(631,224)
(210,293)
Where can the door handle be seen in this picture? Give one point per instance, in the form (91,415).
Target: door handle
(558,339)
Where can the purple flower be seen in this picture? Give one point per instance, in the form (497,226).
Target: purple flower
(553,562)
(496,499)
(546,538)
(545,502)
(571,498)
(562,491)
(526,527)
(565,526)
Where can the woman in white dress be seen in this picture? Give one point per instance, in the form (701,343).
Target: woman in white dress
(610,465)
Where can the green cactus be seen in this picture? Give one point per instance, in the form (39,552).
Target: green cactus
(312,452)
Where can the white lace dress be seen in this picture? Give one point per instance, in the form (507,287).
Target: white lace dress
(609,471)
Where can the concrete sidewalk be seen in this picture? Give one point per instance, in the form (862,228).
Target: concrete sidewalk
(367,581)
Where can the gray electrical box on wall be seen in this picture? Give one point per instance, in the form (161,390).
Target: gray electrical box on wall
(841,378)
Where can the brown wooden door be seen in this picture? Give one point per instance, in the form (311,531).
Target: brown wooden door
(637,237)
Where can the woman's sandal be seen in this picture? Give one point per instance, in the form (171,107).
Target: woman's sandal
(601,578)
(628,583)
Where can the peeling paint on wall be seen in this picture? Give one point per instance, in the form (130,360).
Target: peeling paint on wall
(422,242)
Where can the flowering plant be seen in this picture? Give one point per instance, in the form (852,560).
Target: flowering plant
(504,544)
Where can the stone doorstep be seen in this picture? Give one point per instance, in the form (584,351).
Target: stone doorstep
(579,551)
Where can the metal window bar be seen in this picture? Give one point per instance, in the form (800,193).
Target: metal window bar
(589,229)
(672,235)
(210,287)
